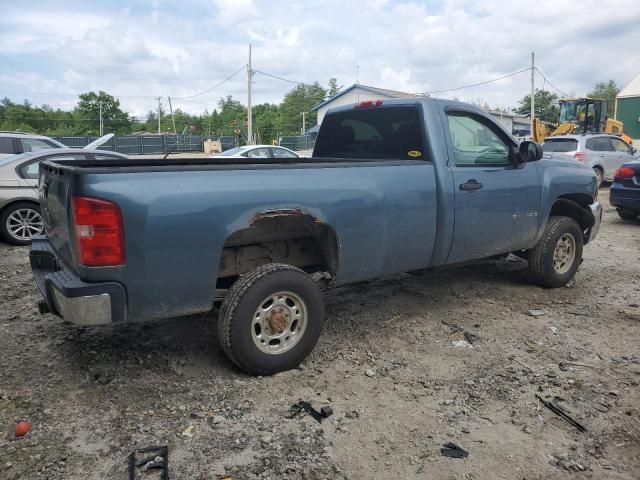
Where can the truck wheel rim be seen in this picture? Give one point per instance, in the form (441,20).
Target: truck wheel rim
(279,322)
(24,224)
(564,253)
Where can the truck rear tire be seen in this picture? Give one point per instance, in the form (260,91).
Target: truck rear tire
(555,259)
(271,319)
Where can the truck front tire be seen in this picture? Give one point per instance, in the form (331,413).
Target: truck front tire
(271,319)
(553,262)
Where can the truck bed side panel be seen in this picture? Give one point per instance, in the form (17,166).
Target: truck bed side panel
(176,224)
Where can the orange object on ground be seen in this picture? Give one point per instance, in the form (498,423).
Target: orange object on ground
(22,428)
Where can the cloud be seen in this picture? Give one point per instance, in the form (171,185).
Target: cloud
(138,53)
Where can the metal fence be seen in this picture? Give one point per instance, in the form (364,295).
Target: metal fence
(301,142)
(150,144)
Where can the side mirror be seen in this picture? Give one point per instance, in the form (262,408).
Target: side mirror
(633,151)
(530,151)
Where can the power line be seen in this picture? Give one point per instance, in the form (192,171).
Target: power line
(551,84)
(277,77)
(476,84)
(214,87)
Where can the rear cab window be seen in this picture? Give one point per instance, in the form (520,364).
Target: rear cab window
(560,145)
(385,133)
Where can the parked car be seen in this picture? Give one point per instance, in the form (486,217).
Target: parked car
(20,216)
(259,151)
(625,191)
(604,153)
(12,143)
(393,186)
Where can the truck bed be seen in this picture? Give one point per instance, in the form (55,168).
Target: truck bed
(158,164)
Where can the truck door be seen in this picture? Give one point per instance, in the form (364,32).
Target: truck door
(496,202)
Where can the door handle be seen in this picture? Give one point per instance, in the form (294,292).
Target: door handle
(471,186)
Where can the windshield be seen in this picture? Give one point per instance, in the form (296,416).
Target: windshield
(560,145)
(13,158)
(385,133)
(570,111)
(232,152)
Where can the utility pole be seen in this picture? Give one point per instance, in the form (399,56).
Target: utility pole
(101,122)
(249,110)
(533,94)
(173,120)
(304,123)
(159,113)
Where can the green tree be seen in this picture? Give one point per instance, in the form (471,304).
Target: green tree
(114,119)
(301,98)
(334,88)
(266,122)
(606,91)
(546,107)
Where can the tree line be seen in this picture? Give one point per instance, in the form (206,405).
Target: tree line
(229,117)
(270,121)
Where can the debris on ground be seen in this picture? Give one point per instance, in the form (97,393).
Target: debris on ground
(537,313)
(22,428)
(461,344)
(559,410)
(369,373)
(452,450)
(303,406)
(188,432)
(471,338)
(153,458)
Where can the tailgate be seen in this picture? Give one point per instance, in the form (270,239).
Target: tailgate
(55,201)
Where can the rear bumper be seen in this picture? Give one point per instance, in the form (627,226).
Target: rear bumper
(69,297)
(596,210)
(625,197)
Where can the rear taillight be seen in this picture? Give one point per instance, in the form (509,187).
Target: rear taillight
(624,173)
(580,156)
(369,104)
(99,232)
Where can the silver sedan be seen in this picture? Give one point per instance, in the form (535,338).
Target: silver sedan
(260,151)
(20,218)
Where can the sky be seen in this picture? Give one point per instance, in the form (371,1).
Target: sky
(53,50)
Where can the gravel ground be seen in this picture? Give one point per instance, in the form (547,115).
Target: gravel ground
(394,363)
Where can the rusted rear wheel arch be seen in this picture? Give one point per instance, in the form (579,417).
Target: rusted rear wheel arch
(289,236)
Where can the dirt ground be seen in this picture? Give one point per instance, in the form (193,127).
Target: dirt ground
(393,363)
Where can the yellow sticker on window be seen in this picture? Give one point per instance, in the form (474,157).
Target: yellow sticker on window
(414,153)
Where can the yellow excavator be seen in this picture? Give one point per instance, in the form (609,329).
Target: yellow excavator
(580,115)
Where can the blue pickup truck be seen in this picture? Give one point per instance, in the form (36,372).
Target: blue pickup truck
(392,186)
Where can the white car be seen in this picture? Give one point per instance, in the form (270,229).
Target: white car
(259,151)
(602,152)
(12,143)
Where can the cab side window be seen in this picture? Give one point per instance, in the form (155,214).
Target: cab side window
(475,143)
